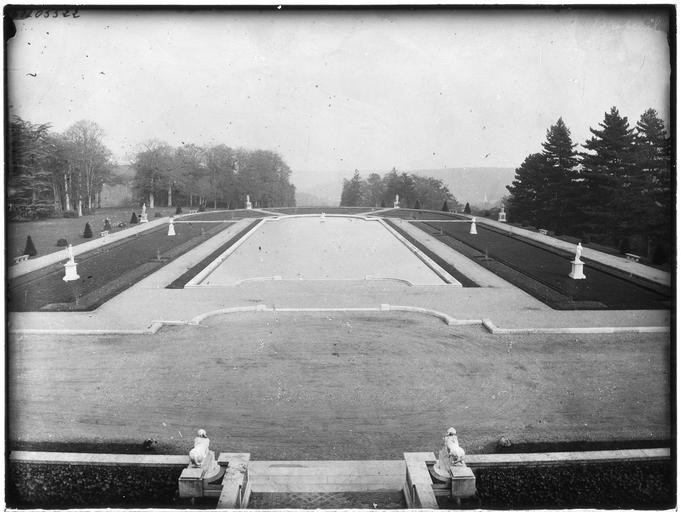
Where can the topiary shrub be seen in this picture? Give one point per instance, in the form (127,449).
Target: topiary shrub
(88,231)
(30,247)
(202,207)
(178,210)
(383,203)
(62,242)
(70,214)
(107,225)
(133,219)
(417,205)
(445,207)
(467,209)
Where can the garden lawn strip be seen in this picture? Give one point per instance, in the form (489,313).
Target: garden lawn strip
(552,269)
(549,267)
(181,281)
(546,294)
(106,271)
(451,270)
(224,215)
(314,210)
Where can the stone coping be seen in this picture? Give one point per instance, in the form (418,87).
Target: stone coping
(472,460)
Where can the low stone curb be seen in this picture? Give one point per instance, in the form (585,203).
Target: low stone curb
(489,325)
(472,460)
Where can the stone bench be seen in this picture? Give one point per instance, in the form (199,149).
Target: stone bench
(632,257)
(543,232)
(193,211)
(19,259)
(104,233)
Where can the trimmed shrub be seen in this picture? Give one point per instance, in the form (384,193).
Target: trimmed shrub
(70,214)
(62,242)
(107,225)
(467,209)
(133,219)
(624,246)
(202,207)
(445,207)
(30,247)
(88,231)
(157,214)
(417,205)
(178,210)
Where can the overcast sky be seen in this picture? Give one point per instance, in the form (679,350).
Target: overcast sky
(336,91)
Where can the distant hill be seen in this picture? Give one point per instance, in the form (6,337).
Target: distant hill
(474,184)
(467,184)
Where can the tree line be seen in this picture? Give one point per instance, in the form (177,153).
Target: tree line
(413,191)
(50,173)
(616,191)
(63,173)
(217,176)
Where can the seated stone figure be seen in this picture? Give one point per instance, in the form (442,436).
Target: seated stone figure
(455,453)
(450,455)
(198,454)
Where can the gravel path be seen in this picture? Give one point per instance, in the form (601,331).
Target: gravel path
(334,386)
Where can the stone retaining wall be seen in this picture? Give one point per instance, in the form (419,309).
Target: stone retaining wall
(565,480)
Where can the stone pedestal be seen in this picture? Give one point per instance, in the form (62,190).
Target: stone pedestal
(463,481)
(193,480)
(474,230)
(71,271)
(171,228)
(143,218)
(502,216)
(577,270)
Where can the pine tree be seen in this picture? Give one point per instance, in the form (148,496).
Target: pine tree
(529,190)
(467,209)
(612,177)
(561,189)
(654,153)
(352,191)
(30,247)
(87,233)
(178,210)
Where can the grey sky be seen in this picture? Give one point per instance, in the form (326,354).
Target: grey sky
(336,91)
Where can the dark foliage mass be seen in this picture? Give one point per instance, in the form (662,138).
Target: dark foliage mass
(30,247)
(87,233)
(62,173)
(409,189)
(616,192)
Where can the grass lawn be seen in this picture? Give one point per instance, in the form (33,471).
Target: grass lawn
(128,260)
(293,386)
(45,233)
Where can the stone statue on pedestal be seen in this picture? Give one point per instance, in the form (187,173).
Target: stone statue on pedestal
(578,252)
(201,444)
(397,201)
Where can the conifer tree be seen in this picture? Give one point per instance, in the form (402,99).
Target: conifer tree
(30,247)
(561,189)
(529,191)
(445,207)
(654,153)
(612,177)
(133,218)
(467,209)
(87,233)
(417,205)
